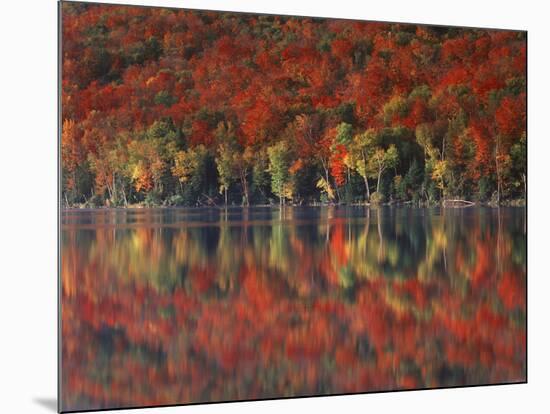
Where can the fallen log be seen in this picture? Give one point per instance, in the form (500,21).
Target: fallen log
(458,203)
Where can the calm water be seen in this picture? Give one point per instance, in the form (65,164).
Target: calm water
(196,305)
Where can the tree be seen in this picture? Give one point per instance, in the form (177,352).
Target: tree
(70,152)
(343,133)
(226,157)
(412,182)
(337,161)
(110,167)
(382,159)
(322,155)
(189,167)
(361,149)
(279,164)
(245,161)
(225,164)
(232,162)
(147,164)
(436,168)
(338,167)
(325,186)
(260,176)
(439,175)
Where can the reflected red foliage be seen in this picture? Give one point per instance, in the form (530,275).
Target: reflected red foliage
(156,316)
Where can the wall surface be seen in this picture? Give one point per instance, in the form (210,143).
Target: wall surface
(29,202)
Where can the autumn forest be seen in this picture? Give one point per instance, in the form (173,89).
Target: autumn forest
(186,108)
(310,163)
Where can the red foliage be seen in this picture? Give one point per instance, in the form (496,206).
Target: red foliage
(511,115)
(511,289)
(201,133)
(342,48)
(483,156)
(338,168)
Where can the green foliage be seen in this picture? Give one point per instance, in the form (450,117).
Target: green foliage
(190,168)
(518,154)
(425,138)
(412,182)
(361,52)
(175,200)
(422,91)
(83,184)
(226,157)
(440,174)
(399,187)
(391,157)
(345,112)
(260,177)
(225,164)
(382,159)
(212,118)
(516,85)
(518,166)
(279,164)
(140,52)
(164,98)
(397,106)
(485,189)
(403,38)
(359,153)
(100,63)
(153,198)
(343,133)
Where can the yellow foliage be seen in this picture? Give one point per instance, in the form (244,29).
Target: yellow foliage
(323,185)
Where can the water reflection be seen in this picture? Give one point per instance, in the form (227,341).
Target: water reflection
(197,305)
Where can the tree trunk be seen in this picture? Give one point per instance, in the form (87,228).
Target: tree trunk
(338,193)
(74,189)
(326,171)
(367,187)
(110,192)
(244,185)
(114,196)
(378,181)
(124,196)
(327,179)
(365,177)
(225,195)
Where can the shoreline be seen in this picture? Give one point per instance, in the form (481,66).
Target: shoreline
(464,204)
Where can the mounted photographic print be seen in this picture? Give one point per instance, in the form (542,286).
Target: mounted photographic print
(259,206)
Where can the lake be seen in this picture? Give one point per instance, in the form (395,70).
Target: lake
(164,306)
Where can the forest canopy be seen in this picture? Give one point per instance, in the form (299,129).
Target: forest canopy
(178,107)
